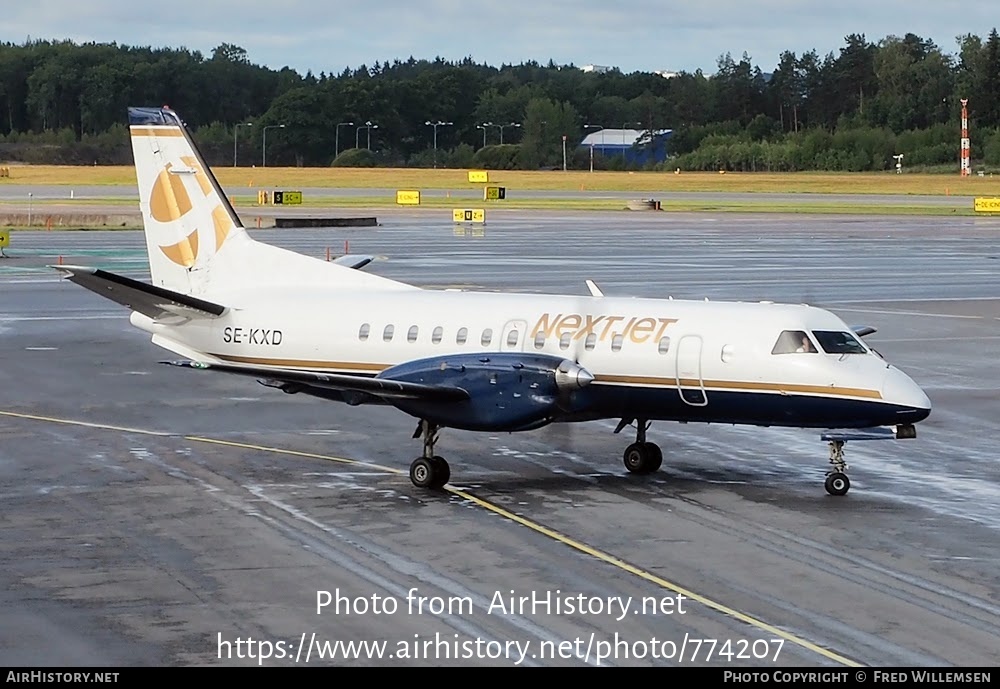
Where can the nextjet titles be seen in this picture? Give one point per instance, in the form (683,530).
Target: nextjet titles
(638,329)
(258,336)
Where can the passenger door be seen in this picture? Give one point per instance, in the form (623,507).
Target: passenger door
(690,384)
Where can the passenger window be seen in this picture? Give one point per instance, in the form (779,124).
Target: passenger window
(363,333)
(436,335)
(565,340)
(834,342)
(461,336)
(616,343)
(487,337)
(664,345)
(512,338)
(793,341)
(387,333)
(590,342)
(412,335)
(539,340)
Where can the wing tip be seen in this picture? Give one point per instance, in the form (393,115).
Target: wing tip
(70,270)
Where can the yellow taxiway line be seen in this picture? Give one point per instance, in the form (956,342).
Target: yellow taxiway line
(496,509)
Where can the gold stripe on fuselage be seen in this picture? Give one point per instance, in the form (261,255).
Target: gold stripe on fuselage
(740,385)
(650,381)
(343,366)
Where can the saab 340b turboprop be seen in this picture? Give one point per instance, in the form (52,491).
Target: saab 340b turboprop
(481,361)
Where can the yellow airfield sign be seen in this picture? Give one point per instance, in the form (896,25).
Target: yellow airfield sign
(408,198)
(468,215)
(479,176)
(984,205)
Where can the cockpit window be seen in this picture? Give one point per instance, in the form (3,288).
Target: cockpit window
(834,342)
(793,341)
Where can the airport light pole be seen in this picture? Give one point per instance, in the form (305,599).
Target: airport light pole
(263,160)
(337,148)
(357,134)
(236,132)
(483,126)
(502,126)
(437,124)
(592,126)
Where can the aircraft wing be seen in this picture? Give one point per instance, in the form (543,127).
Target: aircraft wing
(149,300)
(295,380)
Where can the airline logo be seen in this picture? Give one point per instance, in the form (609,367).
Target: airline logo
(579,325)
(170,201)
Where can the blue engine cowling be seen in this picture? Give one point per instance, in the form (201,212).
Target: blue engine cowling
(508,391)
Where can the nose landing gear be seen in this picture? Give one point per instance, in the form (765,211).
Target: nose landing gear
(837,482)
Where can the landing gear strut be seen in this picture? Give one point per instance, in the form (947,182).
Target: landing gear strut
(429,470)
(837,482)
(641,457)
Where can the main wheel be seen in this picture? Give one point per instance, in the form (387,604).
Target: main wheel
(442,472)
(837,483)
(423,472)
(637,458)
(655,456)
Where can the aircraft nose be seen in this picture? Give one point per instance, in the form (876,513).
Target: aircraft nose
(900,390)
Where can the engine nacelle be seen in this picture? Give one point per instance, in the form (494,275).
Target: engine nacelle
(508,391)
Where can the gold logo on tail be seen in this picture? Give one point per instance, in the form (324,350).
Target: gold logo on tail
(184,252)
(170,201)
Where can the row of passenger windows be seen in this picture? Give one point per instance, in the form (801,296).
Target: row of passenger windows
(462,337)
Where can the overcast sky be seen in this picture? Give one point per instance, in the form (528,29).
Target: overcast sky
(633,35)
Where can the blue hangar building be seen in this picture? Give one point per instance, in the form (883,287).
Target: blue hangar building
(638,146)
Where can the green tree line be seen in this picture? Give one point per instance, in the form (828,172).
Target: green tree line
(852,110)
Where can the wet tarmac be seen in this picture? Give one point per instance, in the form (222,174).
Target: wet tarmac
(157,517)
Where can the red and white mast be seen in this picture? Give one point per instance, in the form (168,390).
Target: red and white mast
(966,165)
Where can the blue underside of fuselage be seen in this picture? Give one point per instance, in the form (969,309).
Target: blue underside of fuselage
(603,401)
(738,407)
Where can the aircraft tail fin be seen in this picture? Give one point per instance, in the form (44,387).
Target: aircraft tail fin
(196,243)
(186,215)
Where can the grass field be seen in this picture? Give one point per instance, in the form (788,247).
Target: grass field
(639,182)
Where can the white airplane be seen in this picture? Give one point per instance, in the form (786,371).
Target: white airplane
(482,361)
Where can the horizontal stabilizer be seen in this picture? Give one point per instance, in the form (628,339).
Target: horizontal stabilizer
(353,260)
(380,387)
(149,300)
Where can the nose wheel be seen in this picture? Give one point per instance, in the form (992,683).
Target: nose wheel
(837,482)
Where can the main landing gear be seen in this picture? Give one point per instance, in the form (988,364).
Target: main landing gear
(429,470)
(837,482)
(640,457)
